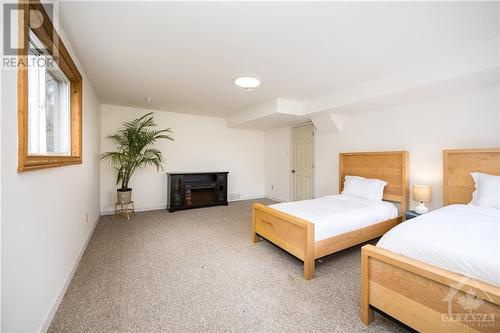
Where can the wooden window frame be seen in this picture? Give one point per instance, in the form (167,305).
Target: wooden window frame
(49,36)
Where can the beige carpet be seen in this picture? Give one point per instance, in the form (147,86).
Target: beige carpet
(197,271)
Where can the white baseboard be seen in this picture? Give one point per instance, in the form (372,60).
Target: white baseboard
(248,197)
(274,199)
(110,211)
(69,277)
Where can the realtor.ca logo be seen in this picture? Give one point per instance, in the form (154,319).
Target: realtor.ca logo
(16,43)
(467,305)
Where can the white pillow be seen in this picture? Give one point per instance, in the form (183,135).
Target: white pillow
(372,189)
(487,192)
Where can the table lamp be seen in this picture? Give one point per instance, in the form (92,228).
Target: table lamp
(421,193)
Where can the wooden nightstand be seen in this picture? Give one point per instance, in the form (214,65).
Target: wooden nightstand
(411,214)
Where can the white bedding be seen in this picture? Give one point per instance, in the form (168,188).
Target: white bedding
(337,214)
(460,238)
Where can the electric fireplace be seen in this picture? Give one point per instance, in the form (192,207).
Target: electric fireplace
(196,190)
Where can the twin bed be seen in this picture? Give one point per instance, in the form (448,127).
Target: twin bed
(439,272)
(304,229)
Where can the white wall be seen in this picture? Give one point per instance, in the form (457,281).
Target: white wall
(44,225)
(201,144)
(466,119)
(278,144)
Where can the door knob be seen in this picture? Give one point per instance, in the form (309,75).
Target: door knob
(293,171)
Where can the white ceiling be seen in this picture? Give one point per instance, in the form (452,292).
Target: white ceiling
(185,55)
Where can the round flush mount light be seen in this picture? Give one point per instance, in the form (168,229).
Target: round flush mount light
(247,82)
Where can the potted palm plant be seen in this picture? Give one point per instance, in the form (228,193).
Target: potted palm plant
(135,140)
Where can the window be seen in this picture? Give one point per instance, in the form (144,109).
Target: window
(49,94)
(48,104)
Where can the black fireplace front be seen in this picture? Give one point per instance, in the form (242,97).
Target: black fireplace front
(195,190)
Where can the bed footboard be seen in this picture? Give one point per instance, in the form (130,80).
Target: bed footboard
(425,297)
(290,233)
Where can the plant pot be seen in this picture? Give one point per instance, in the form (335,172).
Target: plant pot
(124,196)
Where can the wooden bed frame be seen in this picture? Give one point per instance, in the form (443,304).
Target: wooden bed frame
(296,235)
(423,296)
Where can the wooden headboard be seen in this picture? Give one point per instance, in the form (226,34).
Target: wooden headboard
(458,184)
(391,166)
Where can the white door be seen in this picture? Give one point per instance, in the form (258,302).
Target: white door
(303,162)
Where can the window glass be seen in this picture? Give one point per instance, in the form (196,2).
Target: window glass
(49,104)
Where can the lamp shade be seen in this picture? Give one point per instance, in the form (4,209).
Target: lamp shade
(422,193)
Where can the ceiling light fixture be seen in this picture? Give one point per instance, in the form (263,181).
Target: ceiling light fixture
(148,99)
(247,82)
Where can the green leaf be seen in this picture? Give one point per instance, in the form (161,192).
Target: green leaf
(135,141)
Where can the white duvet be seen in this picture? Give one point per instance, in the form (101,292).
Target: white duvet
(337,214)
(460,238)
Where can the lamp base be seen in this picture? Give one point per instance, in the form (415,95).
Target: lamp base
(421,209)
